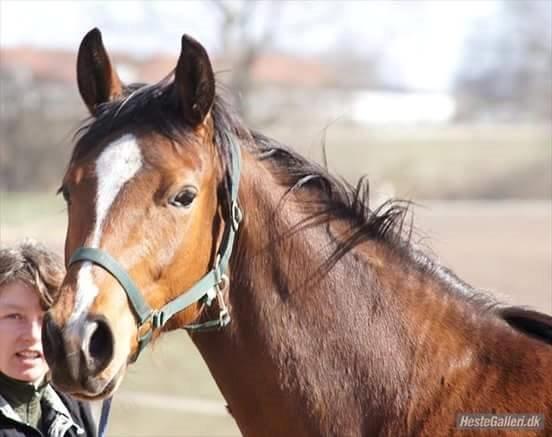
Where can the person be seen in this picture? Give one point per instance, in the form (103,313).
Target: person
(30,276)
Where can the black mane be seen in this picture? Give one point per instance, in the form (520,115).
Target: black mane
(149,107)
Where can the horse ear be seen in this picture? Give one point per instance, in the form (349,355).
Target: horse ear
(194,81)
(97,79)
(533,323)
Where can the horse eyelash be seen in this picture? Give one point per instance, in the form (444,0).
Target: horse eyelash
(62,190)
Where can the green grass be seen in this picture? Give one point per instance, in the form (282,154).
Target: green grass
(24,208)
(172,358)
(437,162)
(134,421)
(40,216)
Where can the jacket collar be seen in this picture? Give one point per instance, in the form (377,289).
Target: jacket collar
(63,421)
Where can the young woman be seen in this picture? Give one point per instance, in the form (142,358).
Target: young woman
(30,276)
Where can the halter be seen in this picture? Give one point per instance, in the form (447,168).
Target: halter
(207,288)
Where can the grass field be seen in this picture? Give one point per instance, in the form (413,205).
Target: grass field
(490,161)
(447,162)
(175,370)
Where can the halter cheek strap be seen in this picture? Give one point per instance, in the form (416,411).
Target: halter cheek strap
(206,289)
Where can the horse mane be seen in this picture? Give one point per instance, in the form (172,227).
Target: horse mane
(155,108)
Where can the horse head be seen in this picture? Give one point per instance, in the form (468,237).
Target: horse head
(143,191)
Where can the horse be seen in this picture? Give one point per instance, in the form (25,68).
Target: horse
(316,314)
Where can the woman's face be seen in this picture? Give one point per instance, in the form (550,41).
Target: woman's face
(20,333)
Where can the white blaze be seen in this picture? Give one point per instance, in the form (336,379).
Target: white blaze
(116,165)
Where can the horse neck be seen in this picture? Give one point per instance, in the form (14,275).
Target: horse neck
(293,358)
(326,356)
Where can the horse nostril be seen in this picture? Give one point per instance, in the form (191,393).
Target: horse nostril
(101,341)
(97,344)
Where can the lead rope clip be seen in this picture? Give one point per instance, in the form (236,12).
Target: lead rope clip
(224,316)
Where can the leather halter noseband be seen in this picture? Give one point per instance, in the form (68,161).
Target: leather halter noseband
(206,289)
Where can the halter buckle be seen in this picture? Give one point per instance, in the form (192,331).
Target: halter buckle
(222,283)
(157,319)
(212,293)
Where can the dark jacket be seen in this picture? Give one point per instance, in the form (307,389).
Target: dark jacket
(62,416)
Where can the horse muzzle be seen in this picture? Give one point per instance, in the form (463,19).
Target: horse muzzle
(78,353)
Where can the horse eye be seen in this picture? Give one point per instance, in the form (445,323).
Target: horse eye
(184,198)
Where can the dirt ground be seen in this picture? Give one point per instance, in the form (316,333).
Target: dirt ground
(503,247)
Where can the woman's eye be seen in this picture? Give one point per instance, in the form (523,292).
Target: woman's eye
(14,316)
(184,198)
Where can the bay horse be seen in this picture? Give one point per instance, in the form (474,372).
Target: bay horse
(316,314)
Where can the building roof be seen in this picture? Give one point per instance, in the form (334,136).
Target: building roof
(59,65)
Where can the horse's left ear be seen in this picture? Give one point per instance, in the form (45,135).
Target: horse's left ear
(194,81)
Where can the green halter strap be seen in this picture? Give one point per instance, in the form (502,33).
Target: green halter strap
(206,288)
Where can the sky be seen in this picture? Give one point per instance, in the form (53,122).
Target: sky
(420,41)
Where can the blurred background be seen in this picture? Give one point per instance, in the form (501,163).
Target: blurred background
(447,103)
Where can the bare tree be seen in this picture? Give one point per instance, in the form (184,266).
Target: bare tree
(250,29)
(507,68)
(244,31)
(241,45)
(34,134)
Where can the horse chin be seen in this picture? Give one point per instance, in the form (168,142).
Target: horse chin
(95,390)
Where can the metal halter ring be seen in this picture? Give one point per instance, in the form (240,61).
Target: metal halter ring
(222,283)
(237,215)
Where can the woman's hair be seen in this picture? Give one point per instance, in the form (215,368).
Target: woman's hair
(36,266)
